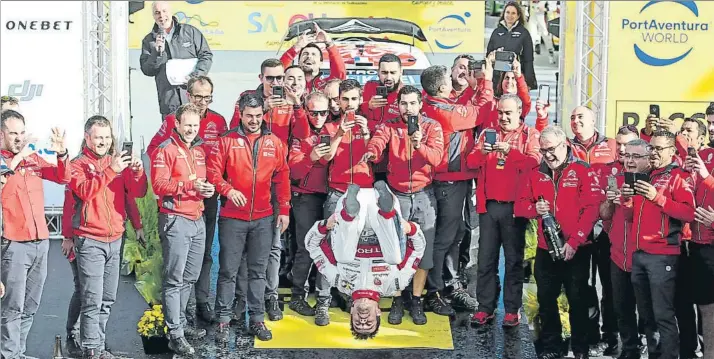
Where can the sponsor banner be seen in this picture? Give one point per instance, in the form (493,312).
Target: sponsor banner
(41,59)
(660,53)
(449,26)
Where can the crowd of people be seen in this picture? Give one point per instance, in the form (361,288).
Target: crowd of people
(376,188)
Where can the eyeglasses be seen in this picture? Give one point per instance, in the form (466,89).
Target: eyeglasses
(322,113)
(631,128)
(274,78)
(208,98)
(657,148)
(550,150)
(634,156)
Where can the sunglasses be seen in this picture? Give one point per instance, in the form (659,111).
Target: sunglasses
(322,113)
(632,128)
(274,78)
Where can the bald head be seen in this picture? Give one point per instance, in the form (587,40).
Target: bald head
(162,14)
(582,122)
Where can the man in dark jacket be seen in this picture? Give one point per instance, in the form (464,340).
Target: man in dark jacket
(169,40)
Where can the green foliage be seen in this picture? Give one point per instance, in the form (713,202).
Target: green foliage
(531,239)
(530,305)
(146,263)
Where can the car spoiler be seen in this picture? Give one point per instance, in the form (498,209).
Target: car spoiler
(358,25)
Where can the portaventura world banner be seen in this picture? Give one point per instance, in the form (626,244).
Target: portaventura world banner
(660,53)
(449,26)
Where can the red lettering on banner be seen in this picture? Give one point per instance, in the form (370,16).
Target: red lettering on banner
(369,251)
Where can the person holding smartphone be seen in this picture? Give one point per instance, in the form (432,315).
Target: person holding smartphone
(501,154)
(308,177)
(512,35)
(96,184)
(661,207)
(414,146)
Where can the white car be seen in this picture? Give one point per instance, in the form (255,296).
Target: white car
(363,41)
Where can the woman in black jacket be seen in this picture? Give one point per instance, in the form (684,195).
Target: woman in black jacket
(512,35)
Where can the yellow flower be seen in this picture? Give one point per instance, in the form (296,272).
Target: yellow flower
(150,326)
(166,330)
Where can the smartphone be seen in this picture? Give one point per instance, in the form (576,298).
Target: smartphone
(654,110)
(504,61)
(630,179)
(644,177)
(382,91)
(611,183)
(350,116)
(325,139)
(691,151)
(490,137)
(278,91)
(476,65)
(544,93)
(128,148)
(412,124)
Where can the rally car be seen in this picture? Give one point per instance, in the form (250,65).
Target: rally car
(363,41)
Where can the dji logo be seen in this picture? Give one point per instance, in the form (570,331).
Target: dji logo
(25,91)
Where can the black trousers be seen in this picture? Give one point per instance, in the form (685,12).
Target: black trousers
(625,308)
(654,278)
(686,314)
(307,209)
(551,277)
(601,267)
(499,228)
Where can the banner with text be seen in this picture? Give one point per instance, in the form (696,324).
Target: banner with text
(449,26)
(660,53)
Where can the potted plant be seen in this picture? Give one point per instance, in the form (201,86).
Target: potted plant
(153,331)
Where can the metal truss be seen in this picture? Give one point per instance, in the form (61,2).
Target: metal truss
(592,43)
(97,59)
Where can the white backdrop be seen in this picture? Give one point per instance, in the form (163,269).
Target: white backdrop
(41,63)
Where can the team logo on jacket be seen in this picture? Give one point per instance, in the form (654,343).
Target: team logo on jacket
(709,158)
(572,174)
(241,142)
(269,143)
(614,171)
(377,281)
(211,126)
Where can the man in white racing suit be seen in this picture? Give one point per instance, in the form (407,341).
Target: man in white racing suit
(371,252)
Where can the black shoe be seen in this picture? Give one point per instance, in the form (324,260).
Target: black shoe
(461,299)
(204,312)
(273,309)
(396,312)
(322,314)
(438,305)
(610,347)
(537,49)
(238,321)
(550,356)
(299,305)
(581,356)
(74,349)
(222,333)
(385,202)
(351,204)
(181,347)
(193,332)
(416,311)
(260,331)
(632,355)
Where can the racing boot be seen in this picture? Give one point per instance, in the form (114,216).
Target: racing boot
(396,312)
(322,314)
(416,311)
(351,204)
(385,202)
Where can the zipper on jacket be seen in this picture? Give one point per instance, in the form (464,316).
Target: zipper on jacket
(699,226)
(624,264)
(409,164)
(109,213)
(256,147)
(662,227)
(352,171)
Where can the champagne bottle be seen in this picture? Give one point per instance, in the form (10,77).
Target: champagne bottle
(58,354)
(553,235)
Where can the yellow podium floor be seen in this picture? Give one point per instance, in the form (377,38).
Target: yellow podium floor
(298,332)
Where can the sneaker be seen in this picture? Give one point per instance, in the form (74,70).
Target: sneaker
(386,198)
(416,311)
(460,298)
(300,306)
(107,355)
(238,321)
(74,349)
(181,347)
(481,318)
(193,332)
(351,204)
(581,355)
(260,331)
(396,312)
(438,305)
(322,314)
(222,333)
(91,354)
(511,320)
(204,312)
(550,356)
(273,309)
(551,57)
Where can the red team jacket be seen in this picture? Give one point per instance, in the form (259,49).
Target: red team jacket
(337,68)
(704,197)
(101,195)
(573,196)
(68,210)
(307,176)
(278,120)
(212,126)
(458,123)
(174,167)
(347,167)
(409,170)
(250,164)
(498,183)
